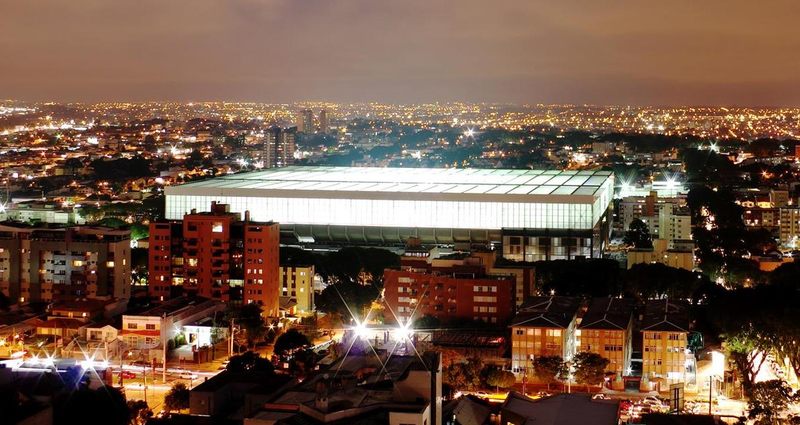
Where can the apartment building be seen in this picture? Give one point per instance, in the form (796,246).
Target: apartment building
(789,227)
(59,264)
(216,255)
(297,282)
(607,329)
(661,253)
(664,327)
(448,293)
(543,326)
(642,207)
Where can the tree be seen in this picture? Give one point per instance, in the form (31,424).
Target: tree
(465,375)
(289,341)
(5,303)
(194,160)
(638,235)
(427,322)
(740,317)
(177,398)
(248,317)
(787,275)
(140,413)
(106,404)
(549,369)
(356,264)
(249,362)
(590,368)
(768,399)
(500,379)
(121,169)
(139,231)
(654,280)
(342,298)
(303,362)
(595,277)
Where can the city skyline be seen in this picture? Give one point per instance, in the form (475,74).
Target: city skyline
(681,53)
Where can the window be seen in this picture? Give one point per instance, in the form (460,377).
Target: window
(133,326)
(150,326)
(109,264)
(216,228)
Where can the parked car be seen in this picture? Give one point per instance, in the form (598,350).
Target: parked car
(128,375)
(652,400)
(187,375)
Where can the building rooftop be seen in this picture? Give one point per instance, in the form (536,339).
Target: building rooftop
(547,312)
(417,183)
(271,381)
(666,316)
(62,323)
(174,305)
(466,338)
(92,305)
(608,313)
(561,409)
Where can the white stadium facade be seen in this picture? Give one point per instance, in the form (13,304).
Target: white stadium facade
(534,214)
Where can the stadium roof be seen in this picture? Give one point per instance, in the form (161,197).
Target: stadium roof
(409,183)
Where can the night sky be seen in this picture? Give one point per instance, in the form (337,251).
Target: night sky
(709,52)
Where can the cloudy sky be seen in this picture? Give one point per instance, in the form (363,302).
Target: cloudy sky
(709,52)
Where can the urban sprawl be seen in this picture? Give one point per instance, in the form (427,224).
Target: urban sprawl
(454,263)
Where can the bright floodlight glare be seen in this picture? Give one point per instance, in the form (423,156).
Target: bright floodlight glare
(470,132)
(404,331)
(360,330)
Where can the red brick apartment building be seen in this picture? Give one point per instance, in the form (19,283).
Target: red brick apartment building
(216,255)
(447,293)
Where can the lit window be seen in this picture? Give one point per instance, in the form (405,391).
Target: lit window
(217,228)
(77,263)
(109,264)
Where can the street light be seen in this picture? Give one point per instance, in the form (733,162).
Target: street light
(360,330)
(717,369)
(404,332)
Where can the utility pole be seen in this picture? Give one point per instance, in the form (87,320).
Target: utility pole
(710,386)
(121,353)
(230,340)
(164,350)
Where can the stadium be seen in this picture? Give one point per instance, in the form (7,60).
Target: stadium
(535,214)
